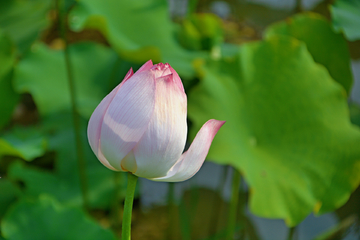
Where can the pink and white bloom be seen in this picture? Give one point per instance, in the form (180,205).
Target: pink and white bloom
(140,127)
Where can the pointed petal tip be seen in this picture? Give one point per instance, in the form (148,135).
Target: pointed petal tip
(216,123)
(177,79)
(146,66)
(129,73)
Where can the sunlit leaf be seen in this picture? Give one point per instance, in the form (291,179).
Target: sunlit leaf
(7,149)
(138,30)
(288,129)
(346,18)
(24,20)
(45,219)
(8,98)
(28,141)
(326,47)
(42,73)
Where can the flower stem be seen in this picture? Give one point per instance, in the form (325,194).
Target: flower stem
(171,210)
(235,189)
(74,109)
(129,198)
(291,233)
(116,206)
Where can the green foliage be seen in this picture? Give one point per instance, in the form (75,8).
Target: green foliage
(355,114)
(29,143)
(63,182)
(42,73)
(8,98)
(201,32)
(7,149)
(287,125)
(346,18)
(326,47)
(24,20)
(9,193)
(44,219)
(137,30)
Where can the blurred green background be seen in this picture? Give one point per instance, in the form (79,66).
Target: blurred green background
(281,73)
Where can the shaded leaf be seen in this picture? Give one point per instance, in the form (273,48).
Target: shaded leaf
(355,114)
(63,183)
(42,73)
(346,18)
(138,30)
(327,47)
(24,20)
(8,97)
(45,218)
(201,32)
(288,129)
(29,142)
(9,193)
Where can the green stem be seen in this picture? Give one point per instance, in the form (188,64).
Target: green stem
(291,233)
(129,198)
(116,207)
(235,189)
(171,210)
(75,116)
(298,6)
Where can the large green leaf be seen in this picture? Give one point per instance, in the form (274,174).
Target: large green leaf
(288,129)
(138,30)
(327,47)
(42,73)
(45,218)
(346,18)
(24,20)
(8,98)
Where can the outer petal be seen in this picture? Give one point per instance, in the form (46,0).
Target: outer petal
(164,140)
(96,119)
(127,118)
(191,161)
(177,79)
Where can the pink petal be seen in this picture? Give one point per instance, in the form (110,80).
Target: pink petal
(191,161)
(164,140)
(104,161)
(127,117)
(146,66)
(96,120)
(127,76)
(177,79)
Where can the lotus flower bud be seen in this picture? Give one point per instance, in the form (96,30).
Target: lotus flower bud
(140,127)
